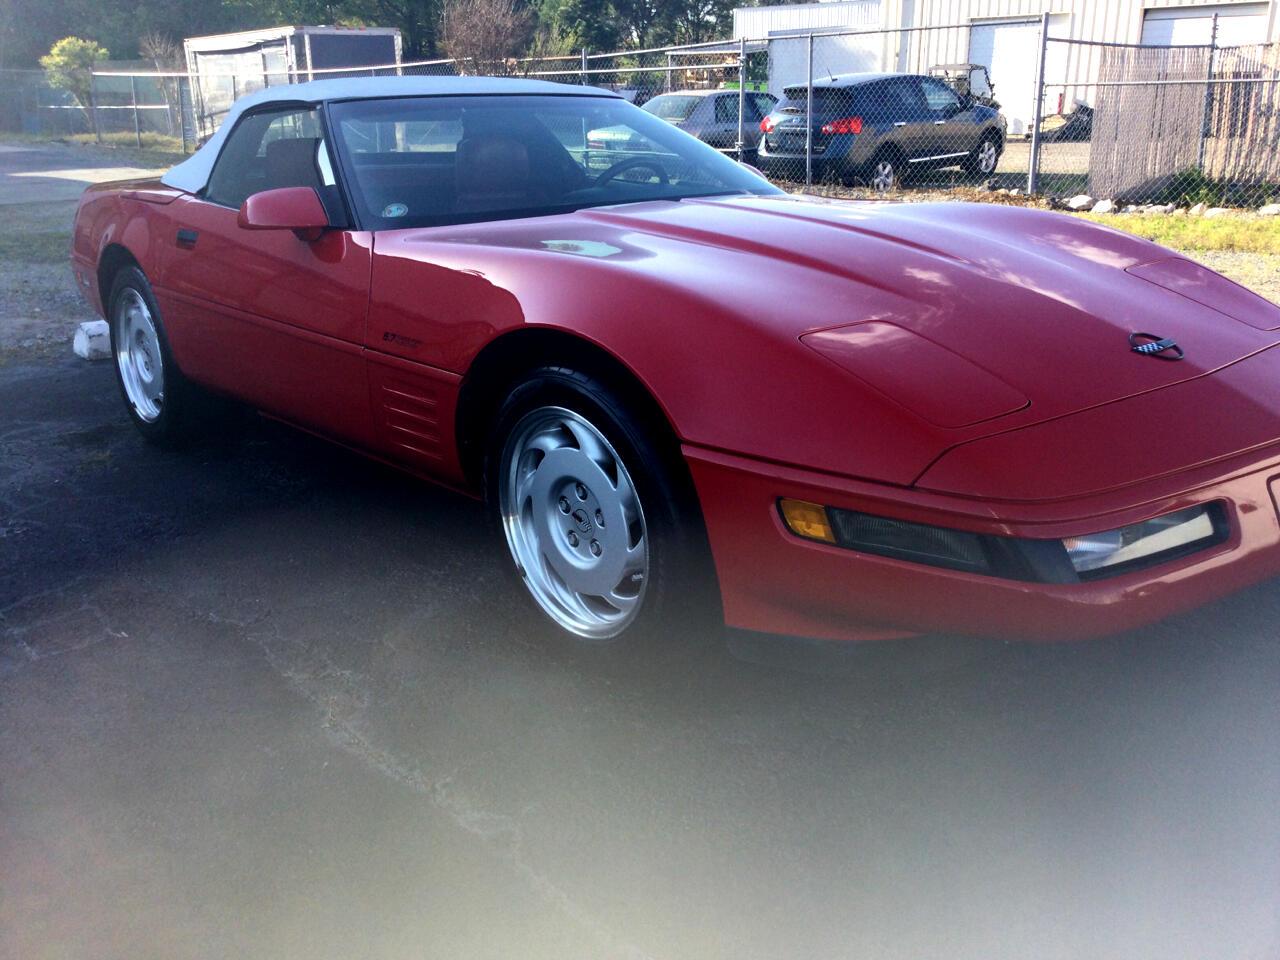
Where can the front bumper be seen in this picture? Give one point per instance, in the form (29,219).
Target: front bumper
(774,581)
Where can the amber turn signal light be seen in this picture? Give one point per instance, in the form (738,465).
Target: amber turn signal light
(807,520)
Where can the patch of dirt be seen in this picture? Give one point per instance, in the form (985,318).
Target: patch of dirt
(1260,272)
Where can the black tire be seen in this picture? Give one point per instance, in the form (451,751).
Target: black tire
(182,402)
(680,592)
(974,164)
(872,173)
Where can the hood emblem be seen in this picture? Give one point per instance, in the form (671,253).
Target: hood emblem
(1149,345)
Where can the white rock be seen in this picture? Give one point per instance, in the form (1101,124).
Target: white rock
(1015,192)
(92,340)
(1216,212)
(1104,206)
(1197,210)
(1080,201)
(1131,208)
(1270,210)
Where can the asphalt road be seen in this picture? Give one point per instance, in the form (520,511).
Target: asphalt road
(262,698)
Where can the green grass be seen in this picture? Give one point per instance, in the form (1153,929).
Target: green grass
(46,246)
(1232,233)
(157,150)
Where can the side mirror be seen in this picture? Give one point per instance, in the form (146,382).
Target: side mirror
(288,208)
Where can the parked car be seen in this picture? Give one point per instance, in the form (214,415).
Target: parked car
(841,420)
(880,128)
(712,115)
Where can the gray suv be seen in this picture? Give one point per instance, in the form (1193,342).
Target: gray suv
(880,128)
(712,115)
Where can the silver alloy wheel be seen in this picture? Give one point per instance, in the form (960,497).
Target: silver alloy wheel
(138,356)
(883,177)
(574,523)
(988,157)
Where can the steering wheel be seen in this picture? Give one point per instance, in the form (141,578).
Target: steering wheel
(631,162)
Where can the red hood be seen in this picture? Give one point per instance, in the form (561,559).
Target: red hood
(983,318)
(1040,300)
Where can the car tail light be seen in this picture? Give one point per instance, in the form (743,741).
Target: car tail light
(767,125)
(843,125)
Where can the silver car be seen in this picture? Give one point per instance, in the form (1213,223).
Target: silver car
(712,115)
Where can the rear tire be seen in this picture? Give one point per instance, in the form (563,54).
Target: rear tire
(597,511)
(885,171)
(161,402)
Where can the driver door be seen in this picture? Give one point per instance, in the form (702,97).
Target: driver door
(263,314)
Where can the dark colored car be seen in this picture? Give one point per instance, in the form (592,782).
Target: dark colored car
(712,115)
(880,128)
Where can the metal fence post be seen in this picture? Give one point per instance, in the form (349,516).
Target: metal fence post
(742,98)
(182,114)
(583,76)
(1037,114)
(808,115)
(137,123)
(1206,117)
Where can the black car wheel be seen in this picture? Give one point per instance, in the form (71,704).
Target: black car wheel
(597,509)
(985,157)
(162,403)
(884,172)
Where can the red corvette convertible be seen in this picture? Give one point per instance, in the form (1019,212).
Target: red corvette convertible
(858,420)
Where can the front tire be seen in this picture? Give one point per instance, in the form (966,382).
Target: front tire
(985,158)
(595,508)
(161,402)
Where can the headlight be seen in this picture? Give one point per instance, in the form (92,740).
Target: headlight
(1160,538)
(1046,561)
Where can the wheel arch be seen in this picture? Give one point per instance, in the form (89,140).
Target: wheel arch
(511,355)
(114,258)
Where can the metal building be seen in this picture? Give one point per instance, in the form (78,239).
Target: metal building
(1001,34)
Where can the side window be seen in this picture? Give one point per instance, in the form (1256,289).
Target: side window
(897,100)
(940,98)
(726,109)
(764,103)
(282,148)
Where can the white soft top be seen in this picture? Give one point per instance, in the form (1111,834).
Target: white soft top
(192,174)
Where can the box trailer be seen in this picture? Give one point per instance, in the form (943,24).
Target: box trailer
(227,65)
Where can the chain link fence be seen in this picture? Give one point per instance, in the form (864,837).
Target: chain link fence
(1139,126)
(845,112)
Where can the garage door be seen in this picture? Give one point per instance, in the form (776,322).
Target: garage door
(1238,24)
(1009,51)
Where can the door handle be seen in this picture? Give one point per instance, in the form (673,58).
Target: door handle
(938,123)
(899,123)
(187,239)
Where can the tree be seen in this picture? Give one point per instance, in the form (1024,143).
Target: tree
(69,66)
(484,33)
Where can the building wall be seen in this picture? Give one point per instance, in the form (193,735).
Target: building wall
(921,33)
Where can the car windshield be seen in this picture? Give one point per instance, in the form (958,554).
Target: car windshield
(423,161)
(672,106)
